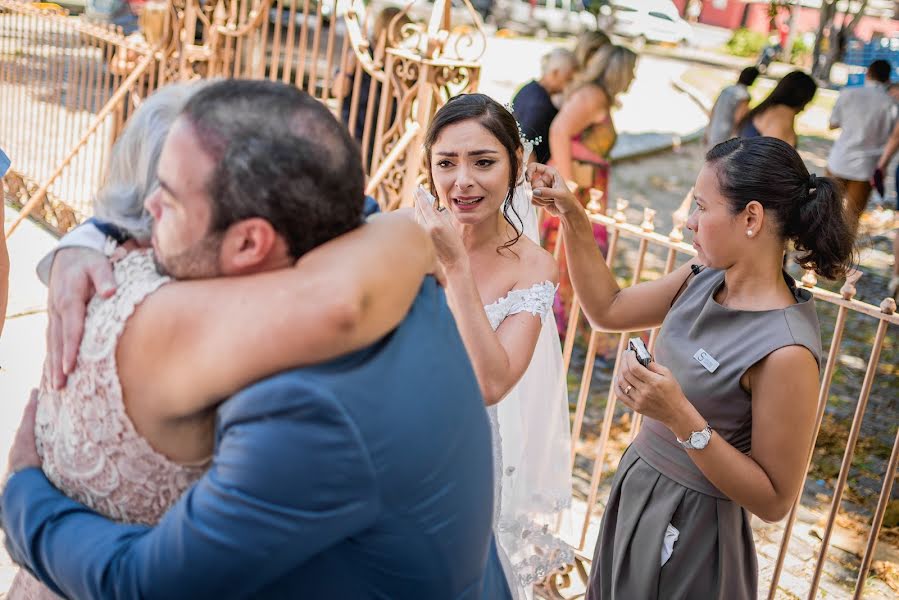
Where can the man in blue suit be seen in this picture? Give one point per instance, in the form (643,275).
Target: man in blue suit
(366,477)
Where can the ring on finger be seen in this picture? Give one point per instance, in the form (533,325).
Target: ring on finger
(627,390)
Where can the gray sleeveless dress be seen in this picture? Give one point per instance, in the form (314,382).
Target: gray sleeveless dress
(657,483)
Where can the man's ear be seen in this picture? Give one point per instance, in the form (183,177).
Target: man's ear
(247,245)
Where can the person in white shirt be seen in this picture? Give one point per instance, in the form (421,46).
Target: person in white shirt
(866,116)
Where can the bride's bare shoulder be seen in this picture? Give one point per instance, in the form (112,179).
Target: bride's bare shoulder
(535,265)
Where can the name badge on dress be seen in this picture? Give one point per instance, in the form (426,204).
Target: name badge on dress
(706,360)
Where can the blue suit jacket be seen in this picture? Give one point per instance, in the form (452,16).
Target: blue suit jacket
(367,477)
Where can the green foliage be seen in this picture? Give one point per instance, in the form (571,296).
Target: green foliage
(746,43)
(799,49)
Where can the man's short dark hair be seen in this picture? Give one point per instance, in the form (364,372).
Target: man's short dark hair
(880,70)
(281,156)
(748,76)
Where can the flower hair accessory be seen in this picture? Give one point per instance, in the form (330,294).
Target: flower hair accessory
(528,144)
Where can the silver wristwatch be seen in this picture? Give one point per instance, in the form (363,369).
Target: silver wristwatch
(696,440)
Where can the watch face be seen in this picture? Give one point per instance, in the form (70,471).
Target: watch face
(699,440)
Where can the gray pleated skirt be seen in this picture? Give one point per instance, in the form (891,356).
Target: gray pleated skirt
(714,557)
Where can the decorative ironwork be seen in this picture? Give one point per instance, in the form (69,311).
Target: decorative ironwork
(412,69)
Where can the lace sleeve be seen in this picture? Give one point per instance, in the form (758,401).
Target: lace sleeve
(537,299)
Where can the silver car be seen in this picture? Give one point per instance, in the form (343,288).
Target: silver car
(543,16)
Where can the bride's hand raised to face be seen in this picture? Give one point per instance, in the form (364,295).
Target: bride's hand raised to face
(439,225)
(550,190)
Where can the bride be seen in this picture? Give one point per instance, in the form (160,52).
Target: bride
(500,287)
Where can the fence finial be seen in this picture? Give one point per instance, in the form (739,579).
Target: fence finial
(677,227)
(620,206)
(595,204)
(848,290)
(809,280)
(649,216)
(888,306)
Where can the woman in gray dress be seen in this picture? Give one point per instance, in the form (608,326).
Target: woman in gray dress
(729,401)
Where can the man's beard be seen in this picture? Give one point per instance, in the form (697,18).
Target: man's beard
(200,261)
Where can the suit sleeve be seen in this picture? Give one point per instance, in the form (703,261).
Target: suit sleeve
(290,478)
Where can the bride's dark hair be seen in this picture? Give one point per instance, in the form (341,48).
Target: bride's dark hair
(501,124)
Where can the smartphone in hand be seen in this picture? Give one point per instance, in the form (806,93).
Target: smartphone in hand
(420,192)
(637,346)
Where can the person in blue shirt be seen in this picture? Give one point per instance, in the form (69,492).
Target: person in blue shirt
(365,477)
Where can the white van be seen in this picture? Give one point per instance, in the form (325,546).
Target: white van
(650,21)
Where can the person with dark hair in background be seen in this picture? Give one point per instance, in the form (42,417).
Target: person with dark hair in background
(775,116)
(729,399)
(533,104)
(500,286)
(344,463)
(385,27)
(865,116)
(729,109)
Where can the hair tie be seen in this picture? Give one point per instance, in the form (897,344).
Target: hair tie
(812,183)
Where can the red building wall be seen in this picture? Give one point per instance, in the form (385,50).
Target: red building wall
(728,17)
(756,18)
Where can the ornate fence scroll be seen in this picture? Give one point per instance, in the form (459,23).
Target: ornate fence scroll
(68,85)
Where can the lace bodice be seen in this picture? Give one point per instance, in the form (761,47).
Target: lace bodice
(89,446)
(537,300)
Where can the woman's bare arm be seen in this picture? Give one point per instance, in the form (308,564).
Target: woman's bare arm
(192,343)
(740,112)
(584,107)
(784,397)
(606,305)
(499,358)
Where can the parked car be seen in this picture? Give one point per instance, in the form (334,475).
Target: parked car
(650,21)
(543,16)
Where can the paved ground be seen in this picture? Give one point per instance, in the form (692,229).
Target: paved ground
(22,346)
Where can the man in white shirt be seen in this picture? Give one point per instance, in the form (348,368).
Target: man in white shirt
(866,116)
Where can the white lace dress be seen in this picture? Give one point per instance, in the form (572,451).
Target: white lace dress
(531,445)
(88,444)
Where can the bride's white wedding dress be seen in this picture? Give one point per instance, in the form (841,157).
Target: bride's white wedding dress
(531,439)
